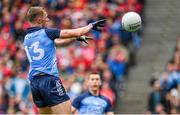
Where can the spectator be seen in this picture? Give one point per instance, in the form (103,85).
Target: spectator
(155,97)
(169,85)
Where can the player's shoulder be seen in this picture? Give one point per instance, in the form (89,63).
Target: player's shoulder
(52,33)
(80,97)
(84,94)
(105,98)
(30,32)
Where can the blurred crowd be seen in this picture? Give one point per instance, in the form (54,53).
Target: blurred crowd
(112,53)
(165,95)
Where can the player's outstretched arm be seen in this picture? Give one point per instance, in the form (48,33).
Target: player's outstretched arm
(70,33)
(65,42)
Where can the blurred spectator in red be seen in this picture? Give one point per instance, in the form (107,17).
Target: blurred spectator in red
(108,92)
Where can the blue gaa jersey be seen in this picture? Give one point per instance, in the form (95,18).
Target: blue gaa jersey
(41,51)
(89,104)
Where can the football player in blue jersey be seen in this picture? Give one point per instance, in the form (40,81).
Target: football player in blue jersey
(40,46)
(91,102)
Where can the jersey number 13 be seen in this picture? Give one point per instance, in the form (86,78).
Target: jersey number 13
(37,52)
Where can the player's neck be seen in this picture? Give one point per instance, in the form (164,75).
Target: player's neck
(36,25)
(95,93)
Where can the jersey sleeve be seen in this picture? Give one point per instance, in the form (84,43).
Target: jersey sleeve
(109,107)
(76,102)
(52,33)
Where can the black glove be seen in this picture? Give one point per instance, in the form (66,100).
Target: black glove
(83,39)
(97,25)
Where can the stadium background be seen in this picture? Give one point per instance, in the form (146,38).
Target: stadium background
(126,61)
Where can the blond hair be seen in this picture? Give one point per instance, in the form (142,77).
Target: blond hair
(35,12)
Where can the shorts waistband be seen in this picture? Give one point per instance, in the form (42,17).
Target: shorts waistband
(41,74)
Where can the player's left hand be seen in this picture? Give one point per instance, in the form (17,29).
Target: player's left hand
(98,25)
(84,39)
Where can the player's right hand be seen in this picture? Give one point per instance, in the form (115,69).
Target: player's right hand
(84,39)
(97,25)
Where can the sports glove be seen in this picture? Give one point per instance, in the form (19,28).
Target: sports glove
(97,25)
(84,39)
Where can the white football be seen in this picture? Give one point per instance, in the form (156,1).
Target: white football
(131,21)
